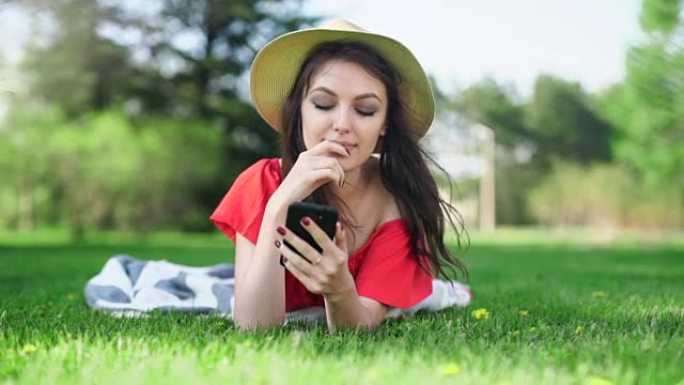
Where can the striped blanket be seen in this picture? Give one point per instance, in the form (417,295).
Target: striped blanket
(127,286)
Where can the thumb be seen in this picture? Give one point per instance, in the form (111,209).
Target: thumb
(341,238)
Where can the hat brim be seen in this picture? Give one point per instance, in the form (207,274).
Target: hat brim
(277,65)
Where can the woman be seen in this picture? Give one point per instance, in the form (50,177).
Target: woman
(338,95)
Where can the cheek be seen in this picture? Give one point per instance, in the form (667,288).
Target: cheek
(312,128)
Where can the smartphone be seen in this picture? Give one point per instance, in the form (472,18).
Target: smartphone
(324,216)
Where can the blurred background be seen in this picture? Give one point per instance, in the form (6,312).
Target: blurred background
(135,116)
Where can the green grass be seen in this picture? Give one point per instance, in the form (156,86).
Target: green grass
(564,308)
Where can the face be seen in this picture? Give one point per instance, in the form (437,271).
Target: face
(345,104)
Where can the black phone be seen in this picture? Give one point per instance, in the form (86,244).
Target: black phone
(324,216)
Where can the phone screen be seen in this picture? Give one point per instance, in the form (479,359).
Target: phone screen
(324,216)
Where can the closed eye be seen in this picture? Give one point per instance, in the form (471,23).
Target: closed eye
(365,112)
(324,107)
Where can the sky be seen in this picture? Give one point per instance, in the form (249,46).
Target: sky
(463,41)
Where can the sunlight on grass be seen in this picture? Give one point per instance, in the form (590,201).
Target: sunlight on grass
(544,312)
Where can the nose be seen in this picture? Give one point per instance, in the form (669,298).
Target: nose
(342,123)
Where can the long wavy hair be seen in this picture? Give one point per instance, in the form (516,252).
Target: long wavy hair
(403,163)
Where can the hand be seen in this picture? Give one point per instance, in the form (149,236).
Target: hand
(328,272)
(313,168)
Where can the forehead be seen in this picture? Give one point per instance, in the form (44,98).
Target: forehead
(344,77)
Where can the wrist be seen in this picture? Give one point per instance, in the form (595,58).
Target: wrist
(276,207)
(346,291)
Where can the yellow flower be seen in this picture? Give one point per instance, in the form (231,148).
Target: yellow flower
(450,369)
(29,348)
(533,329)
(578,330)
(72,297)
(596,380)
(523,313)
(480,314)
(597,294)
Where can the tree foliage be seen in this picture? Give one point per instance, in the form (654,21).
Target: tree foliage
(158,77)
(564,123)
(648,108)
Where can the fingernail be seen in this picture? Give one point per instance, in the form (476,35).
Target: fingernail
(280,230)
(277,244)
(306,221)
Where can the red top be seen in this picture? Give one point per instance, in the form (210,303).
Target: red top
(384,268)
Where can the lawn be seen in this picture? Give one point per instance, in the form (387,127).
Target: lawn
(570,309)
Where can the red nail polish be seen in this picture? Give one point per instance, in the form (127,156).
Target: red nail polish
(280,230)
(306,221)
(277,244)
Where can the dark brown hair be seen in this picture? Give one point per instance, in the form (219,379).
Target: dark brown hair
(403,165)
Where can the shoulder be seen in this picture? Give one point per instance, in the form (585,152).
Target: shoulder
(389,206)
(263,176)
(241,209)
(390,210)
(268,168)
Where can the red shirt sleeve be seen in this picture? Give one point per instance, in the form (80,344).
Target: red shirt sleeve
(389,273)
(242,209)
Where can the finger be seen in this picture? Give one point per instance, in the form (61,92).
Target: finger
(324,175)
(308,253)
(327,146)
(340,170)
(341,238)
(294,261)
(321,238)
(297,271)
(332,164)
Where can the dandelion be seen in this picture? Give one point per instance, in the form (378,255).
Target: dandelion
(72,297)
(450,369)
(523,313)
(596,380)
(578,330)
(480,314)
(29,348)
(597,294)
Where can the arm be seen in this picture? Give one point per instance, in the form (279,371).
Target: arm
(259,278)
(353,311)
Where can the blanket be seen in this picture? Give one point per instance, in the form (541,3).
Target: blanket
(127,286)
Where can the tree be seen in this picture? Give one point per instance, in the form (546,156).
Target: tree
(564,123)
(495,106)
(172,59)
(648,108)
(69,64)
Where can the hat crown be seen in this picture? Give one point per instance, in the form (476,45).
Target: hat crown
(341,25)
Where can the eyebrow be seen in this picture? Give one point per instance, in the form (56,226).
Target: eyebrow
(362,96)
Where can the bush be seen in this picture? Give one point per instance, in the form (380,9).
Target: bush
(103,171)
(603,195)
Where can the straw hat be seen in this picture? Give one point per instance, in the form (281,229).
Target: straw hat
(277,65)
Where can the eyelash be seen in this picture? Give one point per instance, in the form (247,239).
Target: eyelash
(327,108)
